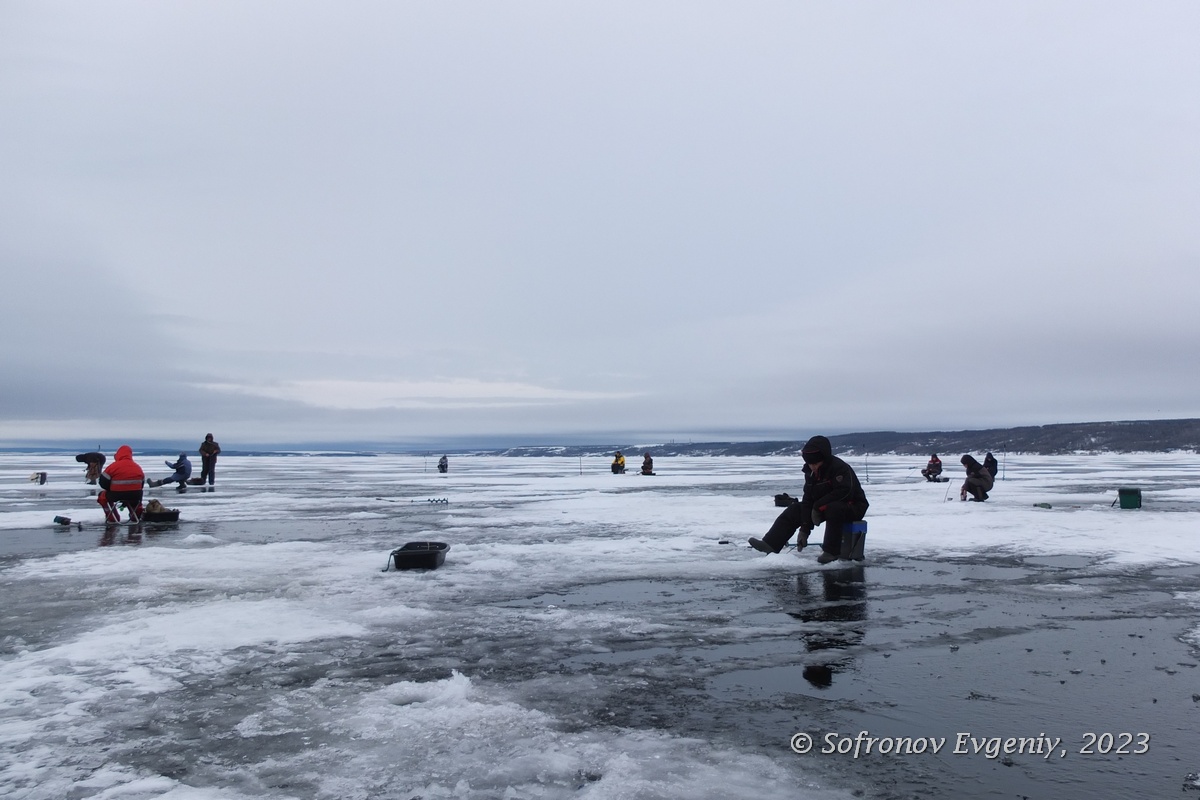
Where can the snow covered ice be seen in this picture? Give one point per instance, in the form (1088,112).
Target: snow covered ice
(590,635)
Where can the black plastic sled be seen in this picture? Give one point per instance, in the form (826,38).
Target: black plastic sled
(418,555)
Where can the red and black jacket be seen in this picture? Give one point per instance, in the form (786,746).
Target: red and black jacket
(123,474)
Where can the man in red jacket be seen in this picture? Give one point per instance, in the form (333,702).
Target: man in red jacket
(121,482)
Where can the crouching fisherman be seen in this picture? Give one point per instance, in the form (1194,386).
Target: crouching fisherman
(832,494)
(183,471)
(121,482)
(93,462)
(979,480)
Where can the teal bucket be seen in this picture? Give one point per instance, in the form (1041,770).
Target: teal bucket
(1130,498)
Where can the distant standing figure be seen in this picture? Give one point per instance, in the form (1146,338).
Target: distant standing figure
(979,480)
(647,464)
(443,464)
(183,471)
(933,469)
(989,463)
(209,450)
(121,482)
(618,465)
(93,461)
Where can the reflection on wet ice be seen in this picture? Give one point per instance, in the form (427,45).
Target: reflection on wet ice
(835,597)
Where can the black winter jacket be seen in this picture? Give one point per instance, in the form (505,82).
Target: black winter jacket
(834,482)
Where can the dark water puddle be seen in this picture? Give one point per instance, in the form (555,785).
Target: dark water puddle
(622,593)
(1060,562)
(969,650)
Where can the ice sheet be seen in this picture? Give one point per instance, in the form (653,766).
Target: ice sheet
(258,649)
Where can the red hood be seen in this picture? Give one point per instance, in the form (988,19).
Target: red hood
(124,452)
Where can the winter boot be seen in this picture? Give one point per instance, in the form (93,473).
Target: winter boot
(761,546)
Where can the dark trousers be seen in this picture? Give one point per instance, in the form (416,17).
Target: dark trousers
(977,488)
(208,469)
(836,515)
(785,526)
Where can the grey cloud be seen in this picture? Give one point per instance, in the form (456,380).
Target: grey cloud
(868,216)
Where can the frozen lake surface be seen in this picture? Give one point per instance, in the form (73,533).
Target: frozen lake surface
(598,636)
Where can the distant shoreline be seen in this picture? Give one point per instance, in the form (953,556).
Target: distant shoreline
(1134,436)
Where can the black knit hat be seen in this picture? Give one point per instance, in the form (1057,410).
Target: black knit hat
(816,450)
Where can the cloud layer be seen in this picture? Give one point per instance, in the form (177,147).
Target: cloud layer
(397,220)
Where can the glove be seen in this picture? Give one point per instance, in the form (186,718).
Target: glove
(784,500)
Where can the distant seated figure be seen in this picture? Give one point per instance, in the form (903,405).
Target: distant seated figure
(93,461)
(647,464)
(989,463)
(443,464)
(933,469)
(979,480)
(121,482)
(618,465)
(183,471)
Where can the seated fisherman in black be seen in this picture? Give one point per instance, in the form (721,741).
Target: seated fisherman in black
(832,494)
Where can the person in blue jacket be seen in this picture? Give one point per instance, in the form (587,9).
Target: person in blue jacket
(183,471)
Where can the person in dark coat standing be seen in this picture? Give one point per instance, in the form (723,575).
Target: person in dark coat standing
(209,450)
(832,494)
(979,481)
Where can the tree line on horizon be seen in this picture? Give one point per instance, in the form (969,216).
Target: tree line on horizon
(1154,436)
(1151,436)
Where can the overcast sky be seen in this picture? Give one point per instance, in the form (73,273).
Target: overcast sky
(282,221)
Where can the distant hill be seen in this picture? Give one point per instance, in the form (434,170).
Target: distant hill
(1146,436)
(1154,436)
